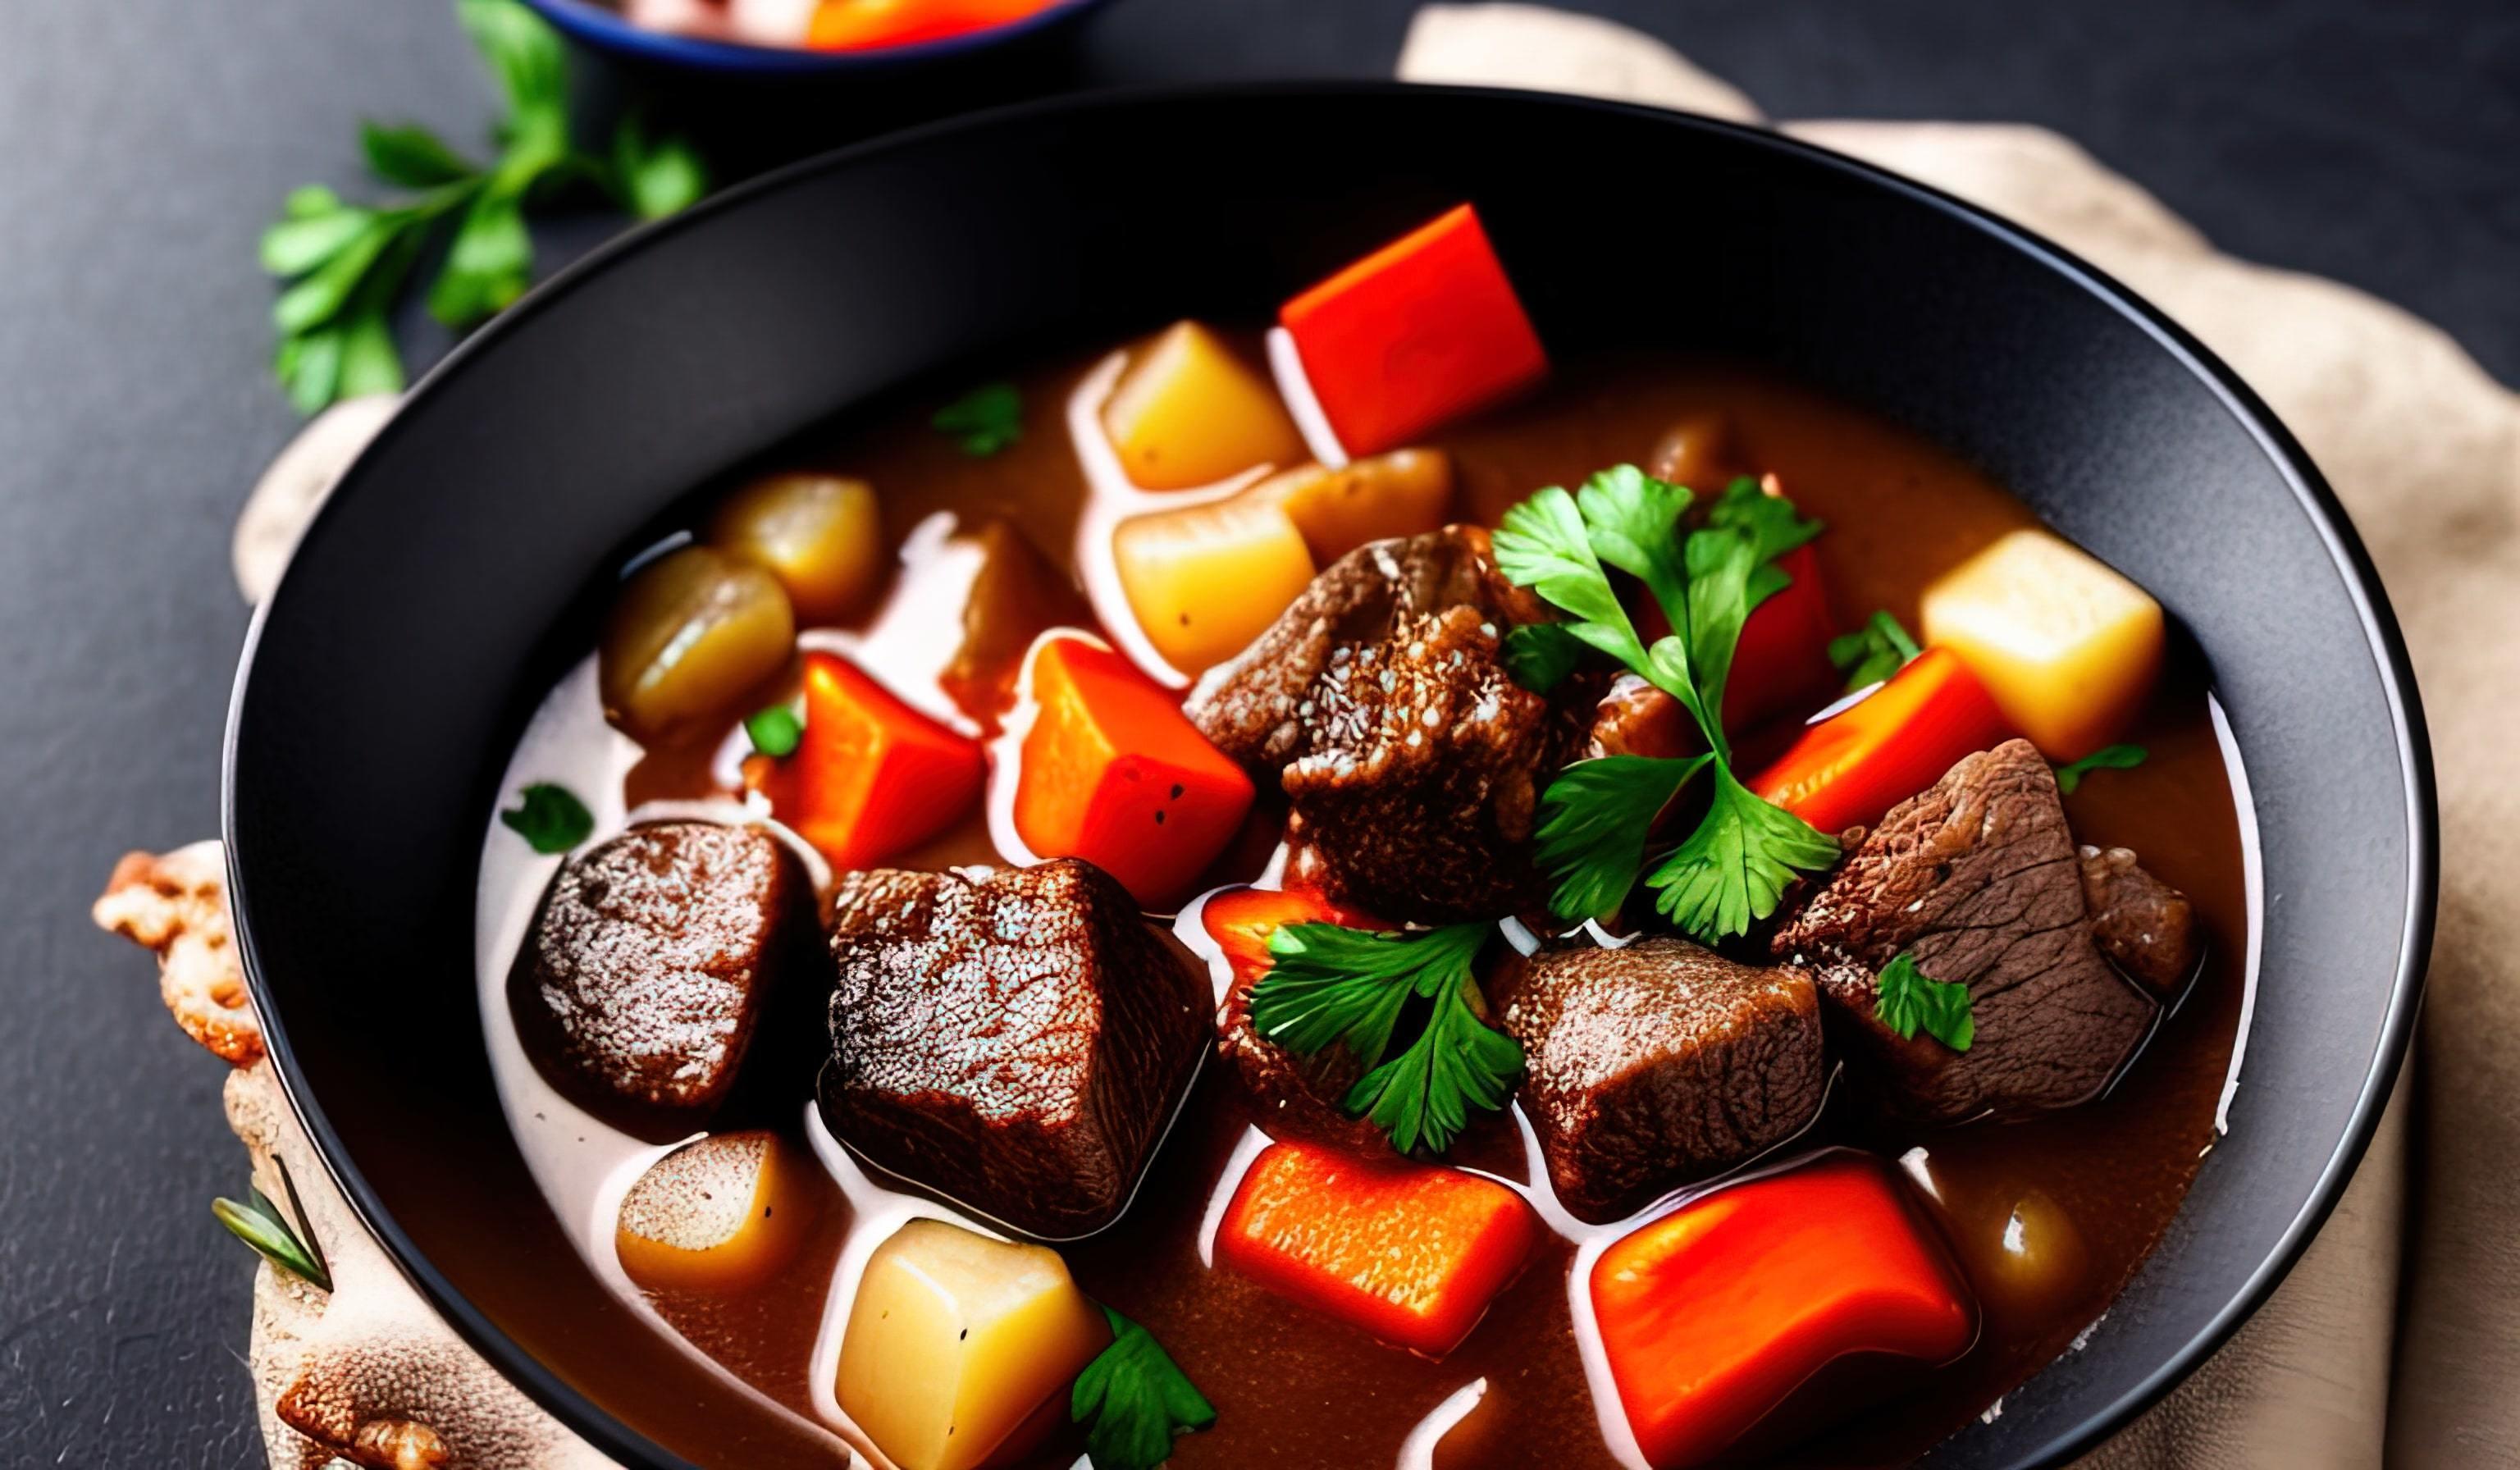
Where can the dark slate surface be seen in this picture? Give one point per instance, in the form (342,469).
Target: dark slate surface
(144,142)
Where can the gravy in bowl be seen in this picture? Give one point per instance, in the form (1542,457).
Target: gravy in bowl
(1885,1099)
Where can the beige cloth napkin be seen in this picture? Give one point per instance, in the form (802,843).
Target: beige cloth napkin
(2397,1340)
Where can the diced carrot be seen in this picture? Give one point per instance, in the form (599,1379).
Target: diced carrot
(1115,773)
(1241,919)
(871,775)
(1712,1315)
(1780,665)
(1859,763)
(859,25)
(1412,1254)
(1420,331)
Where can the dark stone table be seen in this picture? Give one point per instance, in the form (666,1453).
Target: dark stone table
(143,143)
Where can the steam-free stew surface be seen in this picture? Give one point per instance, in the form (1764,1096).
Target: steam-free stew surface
(2085,1192)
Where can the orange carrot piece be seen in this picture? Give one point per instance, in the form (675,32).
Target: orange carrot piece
(1412,1254)
(1241,919)
(865,24)
(1714,1314)
(870,776)
(1859,763)
(1115,773)
(1421,331)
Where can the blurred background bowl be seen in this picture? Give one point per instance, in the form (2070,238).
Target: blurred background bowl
(610,33)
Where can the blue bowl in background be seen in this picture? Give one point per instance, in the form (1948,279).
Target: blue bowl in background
(607,31)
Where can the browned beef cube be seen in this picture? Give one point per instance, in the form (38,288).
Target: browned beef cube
(1635,718)
(650,964)
(1660,1063)
(1411,760)
(1977,879)
(1293,1095)
(1017,1043)
(2145,926)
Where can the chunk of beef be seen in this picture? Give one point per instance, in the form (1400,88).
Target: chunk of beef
(2145,926)
(1017,1042)
(1660,1063)
(1977,879)
(1635,718)
(650,964)
(1380,703)
(1293,1097)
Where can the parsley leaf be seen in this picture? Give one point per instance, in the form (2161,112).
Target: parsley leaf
(1328,983)
(1425,1094)
(1595,819)
(550,817)
(347,264)
(1774,526)
(1135,1399)
(1735,868)
(1908,1000)
(1539,655)
(983,421)
(2106,758)
(774,731)
(1872,652)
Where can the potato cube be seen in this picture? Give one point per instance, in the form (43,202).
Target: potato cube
(956,1340)
(1398,494)
(1188,412)
(719,1215)
(2067,647)
(1204,580)
(820,535)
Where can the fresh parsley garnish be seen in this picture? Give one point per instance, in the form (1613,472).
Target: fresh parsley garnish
(1328,983)
(347,263)
(1596,815)
(290,1246)
(983,421)
(550,817)
(1134,1400)
(774,731)
(1908,1000)
(1872,652)
(1539,655)
(2106,758)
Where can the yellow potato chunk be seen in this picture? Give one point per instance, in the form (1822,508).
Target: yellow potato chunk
(1204,580)
(956,1341)
(721,1214)
(691,638)
(820,535)
(1188,412)
(1398,494)
(2067,647)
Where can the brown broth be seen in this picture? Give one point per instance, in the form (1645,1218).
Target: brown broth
(1295,1388)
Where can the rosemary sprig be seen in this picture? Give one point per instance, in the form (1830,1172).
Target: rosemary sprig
(258,1222)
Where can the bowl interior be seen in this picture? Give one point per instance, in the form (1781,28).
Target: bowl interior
(451,576)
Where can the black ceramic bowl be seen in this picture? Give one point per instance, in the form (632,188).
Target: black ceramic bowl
(455,570)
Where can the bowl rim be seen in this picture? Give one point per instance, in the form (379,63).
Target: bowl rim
(604,26)
(2392,665)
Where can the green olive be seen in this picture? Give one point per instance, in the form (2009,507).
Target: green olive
(820,535)
(690,635)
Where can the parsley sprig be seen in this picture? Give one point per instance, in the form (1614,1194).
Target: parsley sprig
(983,421)
(1908,1000)
(347,263)
(550,817)
(1328,983)
(2106,758)
(1134,1400)
(1872,652)
(1596,815)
